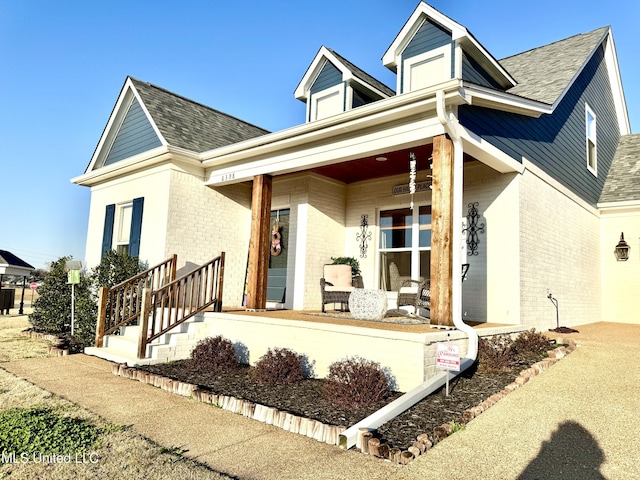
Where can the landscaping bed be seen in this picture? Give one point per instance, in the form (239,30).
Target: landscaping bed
(306,399)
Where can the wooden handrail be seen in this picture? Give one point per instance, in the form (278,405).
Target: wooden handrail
(121,304)
(176,302)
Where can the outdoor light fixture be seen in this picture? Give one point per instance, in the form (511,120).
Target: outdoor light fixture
(381,159)
(622,249)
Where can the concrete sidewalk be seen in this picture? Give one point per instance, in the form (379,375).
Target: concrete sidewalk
(578,420)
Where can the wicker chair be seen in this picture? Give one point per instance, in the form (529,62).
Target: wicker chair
(336,285)
(417,293)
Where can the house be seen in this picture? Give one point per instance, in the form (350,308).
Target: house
(525,168)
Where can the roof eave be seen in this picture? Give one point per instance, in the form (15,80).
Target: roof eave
(148,159)
(304,133)
(497,100)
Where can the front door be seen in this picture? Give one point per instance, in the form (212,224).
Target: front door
(278,253)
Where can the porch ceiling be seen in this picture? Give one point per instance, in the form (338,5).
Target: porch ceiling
(368,168)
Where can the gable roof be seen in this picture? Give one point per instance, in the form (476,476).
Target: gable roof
(623,180)
(350,73)
(12,265)
(190,125)
(459,33)
(364,76)
(544,73)
(176,120)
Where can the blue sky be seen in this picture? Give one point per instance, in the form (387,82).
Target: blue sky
(63,64)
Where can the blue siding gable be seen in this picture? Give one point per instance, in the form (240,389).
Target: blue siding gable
(429,37)
(473,72)
(557,143)
(136,135)
(328,77)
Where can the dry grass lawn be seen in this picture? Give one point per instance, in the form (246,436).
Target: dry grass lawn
(119,454)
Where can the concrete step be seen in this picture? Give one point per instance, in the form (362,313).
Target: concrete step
(174,345)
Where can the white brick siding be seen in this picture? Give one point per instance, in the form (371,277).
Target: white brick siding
(559,251)
(152,184)
(202,222)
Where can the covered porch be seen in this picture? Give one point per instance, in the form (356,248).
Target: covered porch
(355,153)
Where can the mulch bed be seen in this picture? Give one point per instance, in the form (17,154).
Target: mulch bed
(306,399)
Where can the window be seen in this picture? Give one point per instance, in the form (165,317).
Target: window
(405,245)
(592,142)
(327,103)
(123,232)
(123,227)
(427,69)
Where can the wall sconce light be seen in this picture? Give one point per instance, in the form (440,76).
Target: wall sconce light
(622,249)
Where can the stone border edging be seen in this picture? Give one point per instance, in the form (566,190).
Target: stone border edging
(54,348)
(330,434)
(271,416)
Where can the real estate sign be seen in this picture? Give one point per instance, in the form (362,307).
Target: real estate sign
(448,357)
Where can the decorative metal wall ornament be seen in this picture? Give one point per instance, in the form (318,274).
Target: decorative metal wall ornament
(473,229)
(412,177)
(363,236)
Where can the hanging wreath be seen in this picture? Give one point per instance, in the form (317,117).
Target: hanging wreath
(276,247)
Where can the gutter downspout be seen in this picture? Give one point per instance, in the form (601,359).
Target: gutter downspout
(399,405)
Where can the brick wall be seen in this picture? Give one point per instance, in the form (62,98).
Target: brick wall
(202,222)
(560,252)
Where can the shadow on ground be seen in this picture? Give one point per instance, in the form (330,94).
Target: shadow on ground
(571,453)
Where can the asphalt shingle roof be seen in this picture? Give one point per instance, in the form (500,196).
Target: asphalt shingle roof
(623,179)
(8,258)
(543,73)
(190,125)
(364,76)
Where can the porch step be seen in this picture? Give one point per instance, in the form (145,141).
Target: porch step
(174,345)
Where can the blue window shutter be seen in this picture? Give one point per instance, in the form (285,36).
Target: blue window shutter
(107,236)
(136,227)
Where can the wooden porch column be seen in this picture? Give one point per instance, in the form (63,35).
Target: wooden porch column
(259,243)
(442,232)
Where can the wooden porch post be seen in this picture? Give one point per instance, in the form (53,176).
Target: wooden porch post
(102,314)
(442,232)
(259,243)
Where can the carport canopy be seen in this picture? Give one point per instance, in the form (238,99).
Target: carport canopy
(11,264)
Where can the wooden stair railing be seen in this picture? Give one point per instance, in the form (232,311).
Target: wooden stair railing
(178,301)
(121,304)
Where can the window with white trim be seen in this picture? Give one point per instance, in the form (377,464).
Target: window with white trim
(592,142)
(123,232)
(427,69)
(405,245)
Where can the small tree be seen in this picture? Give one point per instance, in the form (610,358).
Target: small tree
(115,268)
(52,310)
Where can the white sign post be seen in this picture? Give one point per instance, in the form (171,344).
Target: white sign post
(73,278)
(448,358)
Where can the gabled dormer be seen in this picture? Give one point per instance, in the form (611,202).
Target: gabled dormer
(332,85)
(431,49)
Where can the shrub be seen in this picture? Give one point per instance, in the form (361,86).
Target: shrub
(355,382)
(279,366)
(115,268)
(502,352)
(43,431)
(52,310)
(531,346)
(495,353)
(214,354)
